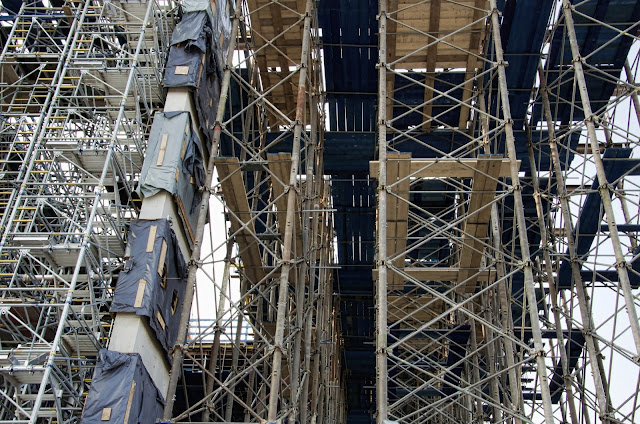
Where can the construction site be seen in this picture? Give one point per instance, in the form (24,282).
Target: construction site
(320,211)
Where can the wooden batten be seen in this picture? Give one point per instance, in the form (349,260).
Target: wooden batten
(280,167)
(413,308)
(398,165)
(440,274)
(483,191)
(447,168)
(236,200)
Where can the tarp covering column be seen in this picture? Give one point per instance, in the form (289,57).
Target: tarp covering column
(153,281)
(199,46)
(174,163)
(122,391)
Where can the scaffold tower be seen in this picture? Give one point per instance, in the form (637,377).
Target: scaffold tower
(319,211)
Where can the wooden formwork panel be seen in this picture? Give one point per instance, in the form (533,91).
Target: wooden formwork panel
(455,23)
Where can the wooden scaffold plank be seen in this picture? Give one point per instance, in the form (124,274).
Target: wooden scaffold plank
(235,196)
(280,166)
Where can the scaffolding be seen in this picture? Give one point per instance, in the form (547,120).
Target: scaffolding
(268,265)
(415,211)
(503,280)
(79,84)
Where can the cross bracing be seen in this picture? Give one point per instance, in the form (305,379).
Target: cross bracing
(413,211)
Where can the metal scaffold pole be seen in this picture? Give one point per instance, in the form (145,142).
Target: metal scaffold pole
(76,133)
(527,264)
(585,310)
(306,212)
(381,243)
(290,226)
(276,230)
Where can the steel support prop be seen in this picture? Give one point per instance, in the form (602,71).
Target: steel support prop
(527,264)
(381,248)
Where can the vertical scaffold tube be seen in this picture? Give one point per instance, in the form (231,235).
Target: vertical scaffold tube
(527,264)
(381,259)
(502,293)
(215,348)
(283,287)
(583,304)
(548,264)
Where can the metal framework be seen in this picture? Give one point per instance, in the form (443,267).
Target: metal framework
(268,263)
(415,211)
(505,286)
(80,81)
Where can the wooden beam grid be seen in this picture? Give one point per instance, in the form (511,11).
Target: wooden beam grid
(451,23)
(276,38)
(484,172)
(415,24)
